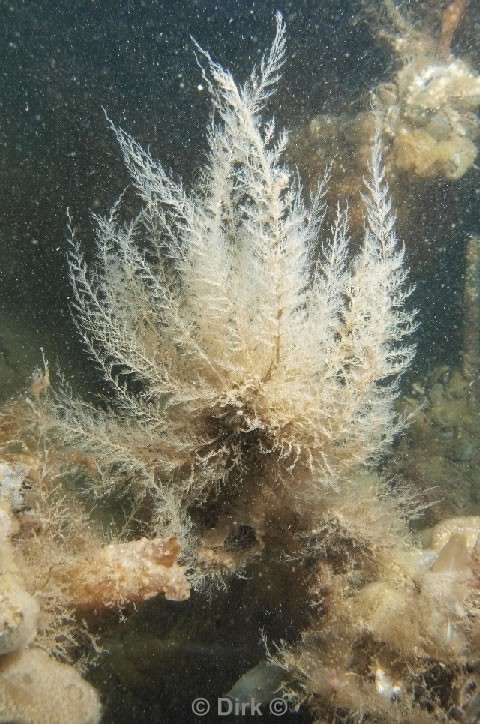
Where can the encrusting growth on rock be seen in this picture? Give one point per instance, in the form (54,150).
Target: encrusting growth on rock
(123,573)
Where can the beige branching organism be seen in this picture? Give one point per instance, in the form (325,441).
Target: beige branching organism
(242,352)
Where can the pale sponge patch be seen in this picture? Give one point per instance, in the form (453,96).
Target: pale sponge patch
(33,688)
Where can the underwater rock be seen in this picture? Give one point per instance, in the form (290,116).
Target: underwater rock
(18,617)
(467,526)
(442,448)
(417,152)
(36,689)
(260,683)
(429,108)
(12,476)
(454,557)
(123,573)
(18,610)
(5,524)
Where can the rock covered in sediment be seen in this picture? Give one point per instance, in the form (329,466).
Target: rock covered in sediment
(123,573)
(18,616)
(36,689)
(465,525)
(19,611)
(430,117)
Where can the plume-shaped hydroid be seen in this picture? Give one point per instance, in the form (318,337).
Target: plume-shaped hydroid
(239,347)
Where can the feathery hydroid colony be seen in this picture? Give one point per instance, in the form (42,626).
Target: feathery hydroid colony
(238,347)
